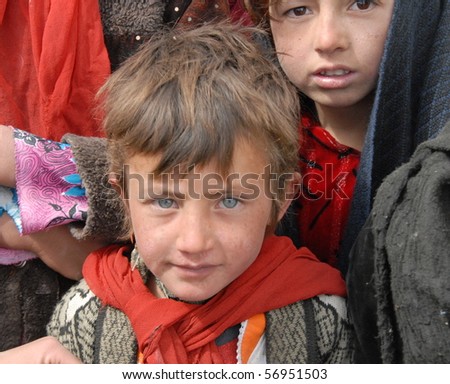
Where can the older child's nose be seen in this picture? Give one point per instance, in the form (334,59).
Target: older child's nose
(330,34)
(195,233)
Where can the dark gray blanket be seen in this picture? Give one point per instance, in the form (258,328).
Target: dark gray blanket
(412,101)
(398,280)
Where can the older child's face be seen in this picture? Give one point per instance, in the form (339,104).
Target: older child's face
(331,49)
(199,234)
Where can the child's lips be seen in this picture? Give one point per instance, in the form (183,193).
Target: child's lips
(195,269)
(334,72)
(334,77)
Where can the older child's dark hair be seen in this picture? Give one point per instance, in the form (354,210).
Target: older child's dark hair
(187,96)
(258,11)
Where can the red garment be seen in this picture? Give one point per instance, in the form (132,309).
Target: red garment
(228,351)
(52,62)
(200,11)
(170,331)
(238,13)
(328,171)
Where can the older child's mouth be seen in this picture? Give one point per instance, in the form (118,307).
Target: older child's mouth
(336,72)
(333,78)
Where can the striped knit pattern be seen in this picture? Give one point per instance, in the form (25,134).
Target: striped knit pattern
(114,333)
(74,319)
(314,331)
(310,331)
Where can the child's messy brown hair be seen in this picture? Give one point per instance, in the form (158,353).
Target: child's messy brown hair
(187,96)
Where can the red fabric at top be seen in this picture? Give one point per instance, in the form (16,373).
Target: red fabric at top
(238,13)
(2,9)
(52,62)
(328,171)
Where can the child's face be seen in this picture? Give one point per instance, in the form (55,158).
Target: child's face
(331,49)
(199,243)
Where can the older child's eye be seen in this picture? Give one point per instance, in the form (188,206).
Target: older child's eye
(230,202)
(165,203)
(363,5)
(298,11)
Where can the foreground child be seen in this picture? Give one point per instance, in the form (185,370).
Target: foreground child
(205,162)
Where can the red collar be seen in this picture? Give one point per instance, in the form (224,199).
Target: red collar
(170,331)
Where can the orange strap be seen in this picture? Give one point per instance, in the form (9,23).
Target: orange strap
(254,330)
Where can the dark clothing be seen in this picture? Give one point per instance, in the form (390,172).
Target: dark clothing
(398,280)
(412,101)
(29,292)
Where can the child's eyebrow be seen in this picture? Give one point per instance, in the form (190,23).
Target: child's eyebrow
(162,191)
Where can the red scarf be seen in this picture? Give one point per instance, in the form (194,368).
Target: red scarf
(170,331)
(54,60)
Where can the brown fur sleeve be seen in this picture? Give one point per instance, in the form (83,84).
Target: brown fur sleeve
(105,217)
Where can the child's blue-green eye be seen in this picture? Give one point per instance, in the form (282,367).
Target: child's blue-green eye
(230,202)
(165,203)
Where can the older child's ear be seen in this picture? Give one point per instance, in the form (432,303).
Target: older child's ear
(291,190)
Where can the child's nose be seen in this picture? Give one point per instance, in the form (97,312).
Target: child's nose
(195,233)
(330,34)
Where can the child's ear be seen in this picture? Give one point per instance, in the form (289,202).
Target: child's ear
(290,192)
(118,186)
(115,182)
(113,179)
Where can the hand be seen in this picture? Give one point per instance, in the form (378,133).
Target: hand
(46,350)
(7,157)
(56,246)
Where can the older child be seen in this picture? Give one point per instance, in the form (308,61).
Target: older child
(339,45)
(357,98)
(204,179)
(374,87)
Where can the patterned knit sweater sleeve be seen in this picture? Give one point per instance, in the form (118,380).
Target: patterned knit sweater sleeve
(314,331)
(74,320)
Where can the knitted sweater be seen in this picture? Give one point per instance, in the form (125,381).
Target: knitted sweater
(311,331)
